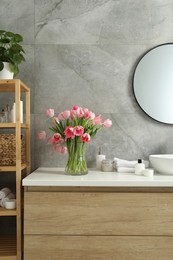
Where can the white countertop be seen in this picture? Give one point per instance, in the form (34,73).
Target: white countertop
(94,178)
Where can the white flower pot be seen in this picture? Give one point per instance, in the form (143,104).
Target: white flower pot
(6,73)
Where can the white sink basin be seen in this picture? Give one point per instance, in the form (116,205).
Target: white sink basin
(162,163)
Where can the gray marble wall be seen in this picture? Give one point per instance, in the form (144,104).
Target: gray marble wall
(83,52)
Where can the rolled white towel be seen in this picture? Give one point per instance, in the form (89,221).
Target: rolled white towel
(125,163)
(8,197)
(4,192)
(125,169)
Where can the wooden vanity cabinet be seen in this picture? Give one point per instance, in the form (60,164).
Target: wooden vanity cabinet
(98,223)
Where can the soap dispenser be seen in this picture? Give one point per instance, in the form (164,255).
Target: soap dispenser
(99,159)
(139,167)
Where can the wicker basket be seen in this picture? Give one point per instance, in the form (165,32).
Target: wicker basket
(8,149)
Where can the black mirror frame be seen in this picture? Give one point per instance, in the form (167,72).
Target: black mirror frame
(136,65)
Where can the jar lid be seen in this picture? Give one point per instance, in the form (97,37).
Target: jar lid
(107,161)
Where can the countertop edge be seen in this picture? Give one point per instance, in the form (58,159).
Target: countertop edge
(46,176)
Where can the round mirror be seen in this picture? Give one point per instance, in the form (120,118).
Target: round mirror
(153,83)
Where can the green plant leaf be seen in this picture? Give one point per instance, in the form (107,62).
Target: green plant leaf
(2,49)
(16,47)
(22,49)
(1,32)
(1,65)
(14,68)
(7,55)
(18,38)
(10,34)
(2,54)
(16,72)
(23,58)
(5,40)
(17,58)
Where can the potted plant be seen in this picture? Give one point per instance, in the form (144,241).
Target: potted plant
(11,53)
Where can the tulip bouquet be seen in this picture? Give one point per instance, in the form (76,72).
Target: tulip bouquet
(72,129)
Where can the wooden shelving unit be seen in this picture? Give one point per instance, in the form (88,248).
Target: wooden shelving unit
(5,212)
(11,246)
(8,248)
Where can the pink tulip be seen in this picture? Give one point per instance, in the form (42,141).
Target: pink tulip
(92,115)
(80,113)
(86,138)
(60,149)
(97,120)
(64,115)
(56,138)
(107,123)
(69,132)
(62,141)
(75,108)
(88,114)
(76,112)
(41,135)
(64,150)
(50,112)
(57,148)
(50,140)
(78,130)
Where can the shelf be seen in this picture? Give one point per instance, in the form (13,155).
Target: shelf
(12,125)
(7,247)
(12,168)
(11,246)
(7,212)
(9,85)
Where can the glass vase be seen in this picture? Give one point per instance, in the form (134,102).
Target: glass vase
(76,164)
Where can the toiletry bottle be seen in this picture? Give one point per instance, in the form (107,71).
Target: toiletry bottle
(13,113)
(99,159)
(7,113)
(139,167)
(21,111)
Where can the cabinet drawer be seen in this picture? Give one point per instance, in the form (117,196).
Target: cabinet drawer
(98,213)
(95,247)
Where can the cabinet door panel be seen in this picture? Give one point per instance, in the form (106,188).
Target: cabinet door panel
(94,247)
(98,213)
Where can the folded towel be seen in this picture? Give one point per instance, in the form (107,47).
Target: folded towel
(4,192)
(125,163)
(8,197)
(125,169)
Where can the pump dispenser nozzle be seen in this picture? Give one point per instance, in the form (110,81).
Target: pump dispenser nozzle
(100,150)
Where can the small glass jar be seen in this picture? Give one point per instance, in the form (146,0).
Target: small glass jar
(107,165)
